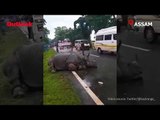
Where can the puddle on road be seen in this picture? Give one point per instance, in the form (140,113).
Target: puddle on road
(102,80)
(92,78)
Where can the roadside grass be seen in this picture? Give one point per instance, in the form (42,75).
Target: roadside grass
(57,89)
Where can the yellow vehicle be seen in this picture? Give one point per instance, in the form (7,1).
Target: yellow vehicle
(106,40)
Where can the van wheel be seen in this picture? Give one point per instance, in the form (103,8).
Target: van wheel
(99,51)
(149,35)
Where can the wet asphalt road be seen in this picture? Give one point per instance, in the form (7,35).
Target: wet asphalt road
(149,60)
(102,81)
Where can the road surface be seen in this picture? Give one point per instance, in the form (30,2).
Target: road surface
(102,81)
(147,89)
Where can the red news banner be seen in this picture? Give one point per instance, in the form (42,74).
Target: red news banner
(18,24)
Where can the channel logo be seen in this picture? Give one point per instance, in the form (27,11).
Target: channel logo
(133,23)
(19,24)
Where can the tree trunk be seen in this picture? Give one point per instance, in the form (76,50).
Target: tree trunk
(125,20)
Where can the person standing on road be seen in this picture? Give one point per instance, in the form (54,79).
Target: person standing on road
(82,47)
(119,45)
(72,47)
(57,47)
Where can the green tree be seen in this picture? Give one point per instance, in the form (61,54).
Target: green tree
(87,23)
(74,34)
(63,32)
(60,32)
(98,22)
(83,27)
(46,32)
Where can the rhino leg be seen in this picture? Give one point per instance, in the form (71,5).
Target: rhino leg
(18,92)
(18,89)
(72,67)
(53,70)
(80,67)
(12,73)
(51,65)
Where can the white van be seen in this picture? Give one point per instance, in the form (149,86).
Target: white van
(106,40)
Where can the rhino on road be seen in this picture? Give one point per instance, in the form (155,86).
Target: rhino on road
(127,70)
(70,61)
(24,69)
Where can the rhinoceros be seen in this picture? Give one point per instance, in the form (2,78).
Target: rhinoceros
(127,70)
(24,69)
(70,61)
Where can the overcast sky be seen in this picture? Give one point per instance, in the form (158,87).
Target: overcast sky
(54,21)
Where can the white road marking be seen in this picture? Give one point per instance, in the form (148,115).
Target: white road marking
(138,48)
(88,90)
(94,55)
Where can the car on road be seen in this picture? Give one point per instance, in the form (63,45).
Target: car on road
(53,44)
(78,43)
(64,47)
(106,40)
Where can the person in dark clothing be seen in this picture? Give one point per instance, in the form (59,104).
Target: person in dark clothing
(118,51)
(119,45)
(57,47)
(82,47)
